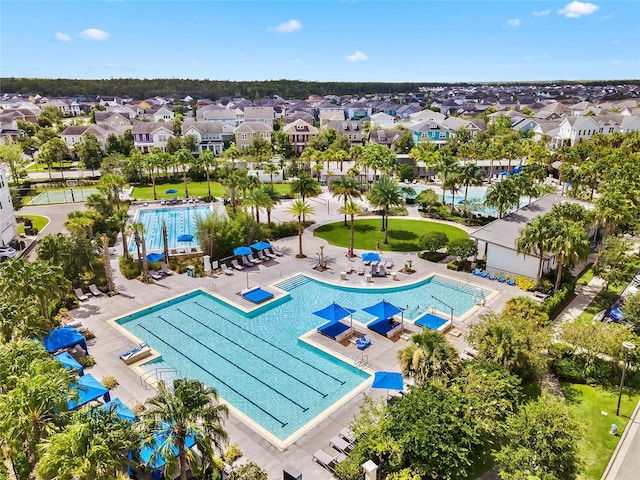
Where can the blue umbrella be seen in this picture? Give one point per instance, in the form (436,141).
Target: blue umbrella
(384,310)
(242,251)
(185,238)
(371,257)
(261,245)
(171,191)
(120,408)
(69,362)
(388,380)
(155,257)
(334,312)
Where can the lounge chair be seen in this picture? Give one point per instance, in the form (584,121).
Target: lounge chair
(363,342)
(94,290)
(226,270)
(253,259)
(246,262)
(484,274)
(347,434)
(476,272)
(361,270)
(501,278)
(336,330)
(491,276)
(155,274)
(166,270)
(236,265)
(262,256)
(270,253)
(389,264)
(163,201)
(141,351)
(511,282)
(381,271)
(215,266)
(80,294)
(340,444)
(385,326)
(328,461)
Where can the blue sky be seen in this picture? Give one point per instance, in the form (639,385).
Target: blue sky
(330,40)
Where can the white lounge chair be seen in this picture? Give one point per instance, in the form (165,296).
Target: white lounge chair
(236,265)
(328,461)
(94,290)
(253,259)
(80,294)
(155,274)
(262,256)
(166,270)
(269,254)
(277,253)
(246,262)
(226,270)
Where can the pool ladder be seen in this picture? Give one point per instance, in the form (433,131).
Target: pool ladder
(150,378)
(363,361)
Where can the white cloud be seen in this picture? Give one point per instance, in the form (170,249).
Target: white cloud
(577,9)
(357,56)
(513,22)
(542,13)
(289,26)
(94,34)
(62,37)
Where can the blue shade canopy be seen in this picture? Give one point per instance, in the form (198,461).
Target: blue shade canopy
(383,309)
(171,191)
(388,380)
(504,174)
(69,362)
(334,312)
(120,408)
(371,257)
(147,451)
(155,257)
(261,245)
(242,251)
(64,337)
(89,389)
(185,238)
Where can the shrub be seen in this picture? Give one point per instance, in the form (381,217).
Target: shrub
(434,257)
(544,285)
(432,241)
(400,211)
(109,382)
(525,283)
(232,453)
(454,265)
(129,268)
(556,302)
(569,370)
(87,361)
(88,335)
(138,408)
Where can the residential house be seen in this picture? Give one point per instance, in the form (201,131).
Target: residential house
(247,132)
(384,137)
(216,113)
(358,110)
(8,129)
(573,129)
(208,136)
(333,114)
(474,125)
(382,120)
(299,133)
(23,114)
(497,240)
(75,134)
(118,121)
(299,115)
(350,129)
(430,131)
(404,112)
(68,107)
(8,224)
(259,114)
(426,115)
(163,114)
(151,134)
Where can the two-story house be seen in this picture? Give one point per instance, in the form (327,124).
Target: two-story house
(163,114)
(430,131)
(299,133)
(74,134)
(118,121)
(351,129)
(216,113)
(330,114)
(259,114)
(151,134)
(384,137)
(208,136)
(382,120)
(247,132)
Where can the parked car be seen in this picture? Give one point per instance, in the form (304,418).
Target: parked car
(7,252)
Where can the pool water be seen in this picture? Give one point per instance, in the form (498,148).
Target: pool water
(180,220)
(256,361)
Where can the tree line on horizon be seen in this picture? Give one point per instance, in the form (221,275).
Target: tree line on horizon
(214,89)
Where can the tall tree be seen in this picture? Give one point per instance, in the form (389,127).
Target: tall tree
(185,160)
(274,197)
(345,188)
(299,209)
(11,156)
(121,219)
(188,410)
(429,356)
(112,184)
(207,160)
(385,194)
(469,176)
(89,152)
(305,186)
(352,209)
(535,239)
(571,244)
(138,229)
(503,196)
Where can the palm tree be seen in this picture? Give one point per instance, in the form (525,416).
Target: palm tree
(470,176)
(207,160)
(271,168)
(352,209)
(232,181)
(153,163)
(233,154)
(258,199)
(497,343)
(188,410)
(305,186)
(299,209)
(571,242)
(385,194)
(121,219)
(536,237)
(503,196)
(82,221)
(139,230)
(95,445)
(112,184)
(429,356)
(446,169)
(184,158)
(346,188)
(274,196)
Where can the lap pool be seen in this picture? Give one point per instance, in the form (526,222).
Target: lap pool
(256,361)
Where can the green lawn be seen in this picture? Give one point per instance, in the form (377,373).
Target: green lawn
(404,235)
(586,277)
(602,301)
(196,189)
(597,445)
(39,222)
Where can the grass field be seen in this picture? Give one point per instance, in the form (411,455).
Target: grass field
(39,222)
(196,189)
(588,404)
(404,235)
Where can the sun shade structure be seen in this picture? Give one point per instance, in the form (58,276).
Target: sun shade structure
(257,295)
(155,257)
(89,389)
(157,461)
(185,238)
(388,380)
(120,408)
(261,245)
(171,191)
(69,362)
(64,337)
(370,257)
(242,250)
(334,328)
(384,311)
(334,312)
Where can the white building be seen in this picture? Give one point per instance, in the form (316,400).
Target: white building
(8,224)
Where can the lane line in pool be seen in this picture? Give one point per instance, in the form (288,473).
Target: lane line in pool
(303,408)
(342,382)
(324,395)
(283,424)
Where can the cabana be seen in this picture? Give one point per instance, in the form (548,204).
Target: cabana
(334,328)
(156,463)
(64,337)
(386,323)
(89,389)
(120,408)
(69,362)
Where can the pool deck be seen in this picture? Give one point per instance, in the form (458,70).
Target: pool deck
(381,355)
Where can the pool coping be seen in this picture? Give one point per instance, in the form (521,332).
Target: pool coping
(283,444)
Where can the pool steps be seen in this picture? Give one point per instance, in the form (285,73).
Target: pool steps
(293,282)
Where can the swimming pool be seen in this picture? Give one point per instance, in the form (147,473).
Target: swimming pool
(180,220)
(256,360)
